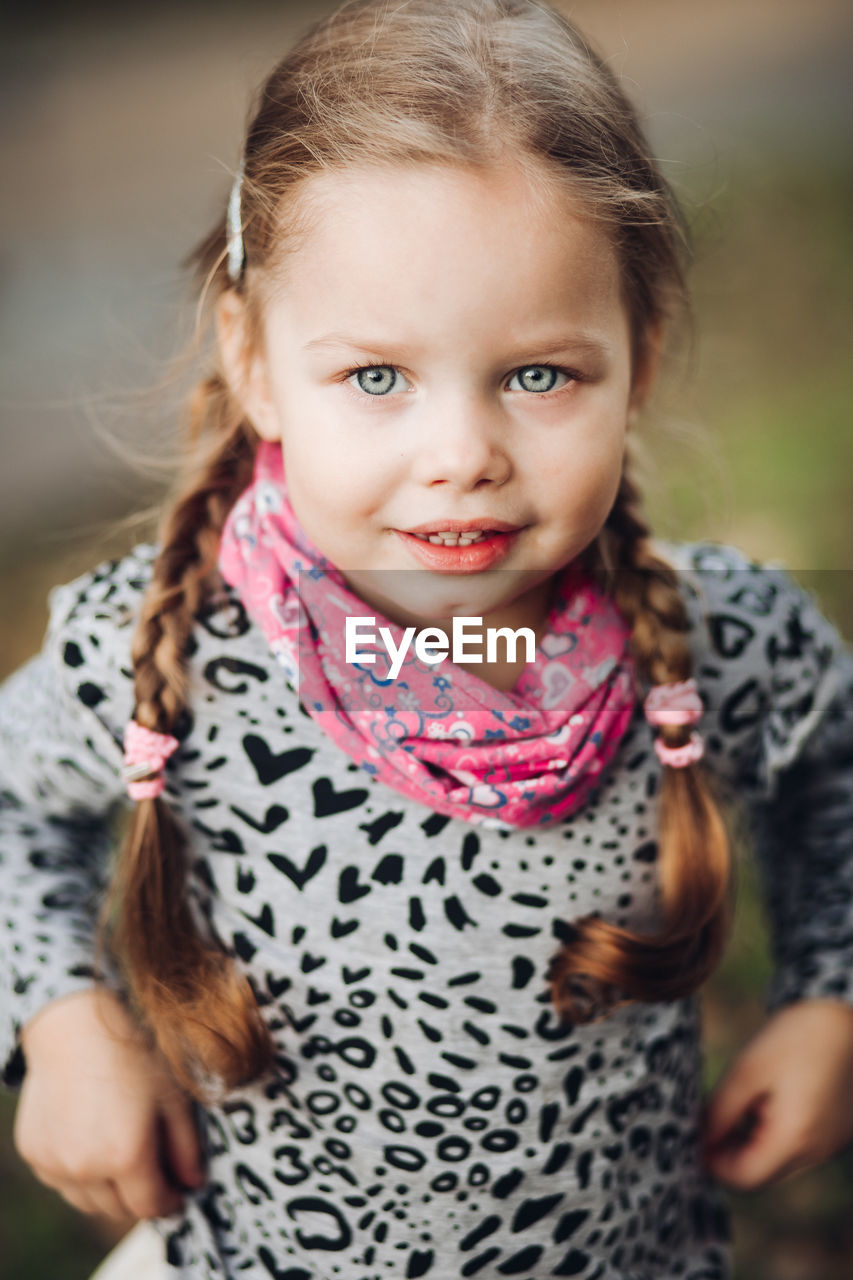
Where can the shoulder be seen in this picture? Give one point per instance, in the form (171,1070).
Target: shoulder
(715,573)
(90,631)
(93,620)
(751,614)
(63,713)
(767,659)
(110,593)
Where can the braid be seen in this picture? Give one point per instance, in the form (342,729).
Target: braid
(646,592)
(695,866)
(202,1014)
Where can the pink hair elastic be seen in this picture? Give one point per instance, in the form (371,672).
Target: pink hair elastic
(145,754)
(678,757)
(676,703)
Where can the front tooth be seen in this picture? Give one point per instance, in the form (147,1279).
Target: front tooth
(448,539)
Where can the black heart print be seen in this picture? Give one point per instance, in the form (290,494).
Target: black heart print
(275,815)
(300,875)
(271,767)
(729,635)
(328,801)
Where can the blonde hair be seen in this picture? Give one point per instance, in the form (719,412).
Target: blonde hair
(424,82)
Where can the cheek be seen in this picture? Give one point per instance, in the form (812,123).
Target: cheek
(321,440)
(583,477)
(334,488)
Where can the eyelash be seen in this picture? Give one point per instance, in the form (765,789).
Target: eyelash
(571,374)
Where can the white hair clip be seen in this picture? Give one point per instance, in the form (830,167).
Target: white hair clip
(236,253)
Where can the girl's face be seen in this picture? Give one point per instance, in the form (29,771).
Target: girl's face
(497,388)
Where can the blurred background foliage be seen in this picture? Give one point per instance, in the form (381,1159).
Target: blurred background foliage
(120,129)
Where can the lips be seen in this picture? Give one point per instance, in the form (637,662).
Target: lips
(463,526)
(485,546)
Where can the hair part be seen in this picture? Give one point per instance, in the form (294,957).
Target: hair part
(427,82)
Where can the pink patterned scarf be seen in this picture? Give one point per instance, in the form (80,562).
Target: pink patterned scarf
(438,734)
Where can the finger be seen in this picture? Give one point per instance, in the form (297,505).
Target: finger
(146,1191)
(97,1198)
(744,1170)
(105,1196)
(139,1180)
(49,1177)
(792,1167)
(181,1144)
(737,1134)
(729,1106)
(770,1152)
(77,1196)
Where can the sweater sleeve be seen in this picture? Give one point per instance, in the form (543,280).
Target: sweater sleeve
(803,835)
(61,720)
(776,678)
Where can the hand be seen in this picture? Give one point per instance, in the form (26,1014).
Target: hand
(100,1117)
(786,1102)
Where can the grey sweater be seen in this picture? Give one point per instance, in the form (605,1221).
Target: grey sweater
(428,1114)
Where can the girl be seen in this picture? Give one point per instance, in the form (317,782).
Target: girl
(396,974)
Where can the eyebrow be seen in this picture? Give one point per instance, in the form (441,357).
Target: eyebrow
(575,341)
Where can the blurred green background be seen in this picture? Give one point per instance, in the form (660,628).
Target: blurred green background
(119,131)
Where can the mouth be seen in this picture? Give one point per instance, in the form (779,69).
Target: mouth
(460,533)
(460,546)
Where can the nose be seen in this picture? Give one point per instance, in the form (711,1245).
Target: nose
(464,444)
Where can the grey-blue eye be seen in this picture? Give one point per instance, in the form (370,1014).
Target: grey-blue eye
(537,377)
(376,379)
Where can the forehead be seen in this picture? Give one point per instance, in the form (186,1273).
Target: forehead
(458,244)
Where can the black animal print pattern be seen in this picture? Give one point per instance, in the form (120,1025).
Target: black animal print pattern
(428,1115)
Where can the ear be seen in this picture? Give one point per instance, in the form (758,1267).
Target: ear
(645,371)
(245,368)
